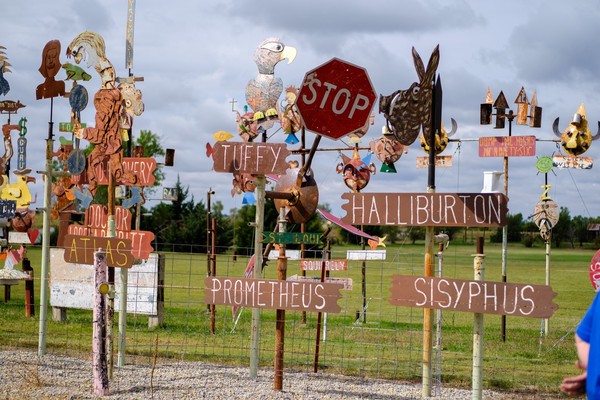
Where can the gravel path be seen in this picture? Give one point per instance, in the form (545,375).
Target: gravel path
(24,375)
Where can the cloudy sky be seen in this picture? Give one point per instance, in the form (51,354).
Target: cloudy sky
(196,56)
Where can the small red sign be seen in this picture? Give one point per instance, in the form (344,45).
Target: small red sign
(507,146)
(336,98)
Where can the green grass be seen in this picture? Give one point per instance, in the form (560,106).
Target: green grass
(388,345)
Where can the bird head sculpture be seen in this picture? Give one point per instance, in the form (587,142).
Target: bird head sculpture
(577,138)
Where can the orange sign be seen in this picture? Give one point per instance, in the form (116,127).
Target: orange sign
(316,265)
(142,167)
(81,249)
(507,146)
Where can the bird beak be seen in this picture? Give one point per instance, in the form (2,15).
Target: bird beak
(288,53)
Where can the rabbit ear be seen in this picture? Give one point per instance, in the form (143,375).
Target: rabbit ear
(418,64)
(432,65)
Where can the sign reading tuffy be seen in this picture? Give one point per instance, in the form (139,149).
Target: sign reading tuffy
(276,294)
(81,249)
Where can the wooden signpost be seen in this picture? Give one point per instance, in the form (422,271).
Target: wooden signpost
(251,158)
(483,297)
(141,167)
(292,237)
(272,293)
(507,146)
(80,250)
(330,265)
(426,209)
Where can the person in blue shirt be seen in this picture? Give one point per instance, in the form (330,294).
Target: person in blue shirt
(587,342)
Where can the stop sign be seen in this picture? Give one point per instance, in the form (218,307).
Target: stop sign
(336,98)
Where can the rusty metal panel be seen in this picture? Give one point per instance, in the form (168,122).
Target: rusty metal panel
(80,250)
(516,299)
(275,294)
(577,162)
(426,209)
(142,167)
(440,162)
(251,158)
(507,146)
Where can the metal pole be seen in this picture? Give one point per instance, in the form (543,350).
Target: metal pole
(510,116)
(548,251)
(258,261)
(45,246)
(213,272)
(363,271)
(479,269)
(99,359)
(208,235)
(111,231)
(280,314)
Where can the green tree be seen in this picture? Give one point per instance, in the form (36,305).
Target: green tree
(563,230)
(150,142)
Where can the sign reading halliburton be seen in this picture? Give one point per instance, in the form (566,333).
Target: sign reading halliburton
(429,209)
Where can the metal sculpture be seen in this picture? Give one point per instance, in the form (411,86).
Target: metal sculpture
(408,111)
(441,139)
(355,171)
(577,138)
(263,91)
(49,68)
(106,135)
(388,150)
(290,119)
(4,64)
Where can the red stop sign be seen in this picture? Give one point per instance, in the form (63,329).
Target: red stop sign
(336,98)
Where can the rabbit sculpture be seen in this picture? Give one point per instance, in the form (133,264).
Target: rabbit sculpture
(406,111)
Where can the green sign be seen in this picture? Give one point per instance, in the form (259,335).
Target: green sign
(292,237)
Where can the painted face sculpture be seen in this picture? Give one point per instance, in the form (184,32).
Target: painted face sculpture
(388,150)
(355,172)
(577,138)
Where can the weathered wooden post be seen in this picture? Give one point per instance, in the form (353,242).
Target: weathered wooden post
(280,313)
(213,271)
(479,270)
(99,360)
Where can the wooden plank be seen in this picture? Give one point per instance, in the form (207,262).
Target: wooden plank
(364,255)
(425,209)
(142,167)
(330,265)
(515,299)
(80,250)
(251,158)
(346,283)
(292,237)
(576,162)
(507,146)
(440,161)
(273,294)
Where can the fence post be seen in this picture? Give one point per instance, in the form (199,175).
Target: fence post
(479,269)
(29,289)
(99,361)
(280,314)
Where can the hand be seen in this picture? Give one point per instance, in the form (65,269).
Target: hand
(574,385)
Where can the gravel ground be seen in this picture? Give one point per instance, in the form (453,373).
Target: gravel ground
(24,375)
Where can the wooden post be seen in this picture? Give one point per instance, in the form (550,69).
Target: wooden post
(29,289)
(213,272)
(320,315)
(280,314)
(258,262)
(479,269)
(110,309)
(99,360)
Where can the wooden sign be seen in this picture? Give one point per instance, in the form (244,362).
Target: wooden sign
(251,158)
(521,300)
(346,283)
(81,249)
(292,237)
(269,293)
(507,146)
(68,126)
(577,162)
(142,167)
(330,265)
(289,254)
(364,255)
(440,161)
(426,209)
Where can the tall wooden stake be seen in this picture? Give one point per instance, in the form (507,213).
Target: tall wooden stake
(258,261)
(99,359)
(479,270)
(280,314)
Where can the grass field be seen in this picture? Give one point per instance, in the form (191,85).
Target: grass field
(388,345)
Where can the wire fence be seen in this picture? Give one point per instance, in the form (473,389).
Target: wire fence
(369,338)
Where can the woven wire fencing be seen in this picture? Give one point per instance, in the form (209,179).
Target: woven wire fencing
(369,338)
